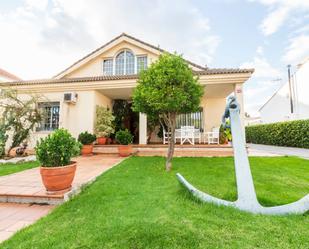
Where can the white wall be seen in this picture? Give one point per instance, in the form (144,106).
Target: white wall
(77,117)
(301,80)
(278,108)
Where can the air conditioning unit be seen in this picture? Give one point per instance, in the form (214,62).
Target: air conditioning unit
(70,98)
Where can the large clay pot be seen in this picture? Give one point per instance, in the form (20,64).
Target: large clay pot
(125,150)
(87,149)
(57,179)
(101,140)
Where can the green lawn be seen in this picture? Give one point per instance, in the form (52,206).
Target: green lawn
(10,168)
(138,205)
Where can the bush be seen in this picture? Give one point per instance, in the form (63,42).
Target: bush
(57,149)
(104,122)
(3,139)
(222,136)
(290,133)
(86,138)
(124,137)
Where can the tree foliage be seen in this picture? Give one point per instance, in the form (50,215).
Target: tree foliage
(103,126)
(167,88)
(19,115)
(57,149)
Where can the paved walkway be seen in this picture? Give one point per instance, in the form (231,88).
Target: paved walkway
(259,149)
(27,187)
(14,217)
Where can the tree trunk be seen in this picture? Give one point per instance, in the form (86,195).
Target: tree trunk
(171,142)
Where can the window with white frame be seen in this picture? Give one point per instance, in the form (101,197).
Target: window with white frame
(191,119)
(141,63)
(50,112)
(130,63)
(108,67)
(124,63)
(119,63)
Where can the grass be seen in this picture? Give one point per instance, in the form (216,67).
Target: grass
(138,205)
(10,168)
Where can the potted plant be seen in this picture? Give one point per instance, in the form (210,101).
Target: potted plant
(54,153)
(125,138)
(228,135)
(86,139)
(103,126)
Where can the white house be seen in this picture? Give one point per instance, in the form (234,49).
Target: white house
(110,73)
(278,107)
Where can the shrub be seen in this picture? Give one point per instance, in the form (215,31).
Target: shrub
(290,133)
(86,138)
(124,137)
(57,149)
(3,138)
(104,122)
(222,136)
(19,116)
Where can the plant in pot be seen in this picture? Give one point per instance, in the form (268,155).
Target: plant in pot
(228,132)
(103,126)
(222,137)
(86,139)
(125,138)
(54,153)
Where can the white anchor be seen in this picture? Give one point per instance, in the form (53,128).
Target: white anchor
(247,200)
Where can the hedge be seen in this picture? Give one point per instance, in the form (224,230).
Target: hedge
(290,133)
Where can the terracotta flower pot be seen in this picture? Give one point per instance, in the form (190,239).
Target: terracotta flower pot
(125,150)
(58,178)
(87,149)
(101,140)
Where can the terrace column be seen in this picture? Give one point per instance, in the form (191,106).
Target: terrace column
(142,128)
(238,91)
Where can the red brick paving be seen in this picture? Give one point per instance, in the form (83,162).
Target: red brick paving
(14,217)
(27,187)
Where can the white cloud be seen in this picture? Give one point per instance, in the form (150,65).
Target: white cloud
(264,82)
(260,50)
(274,20)
(263,68)
(44,37)
(255,95)
(297,50)
(279,12)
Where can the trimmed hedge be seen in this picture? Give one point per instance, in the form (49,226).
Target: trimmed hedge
(290,133)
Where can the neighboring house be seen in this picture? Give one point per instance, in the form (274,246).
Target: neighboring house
(111,72)
(278,107)
(6,76)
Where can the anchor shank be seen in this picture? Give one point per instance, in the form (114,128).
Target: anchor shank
(245,186)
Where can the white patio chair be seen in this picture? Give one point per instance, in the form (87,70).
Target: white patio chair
(213,137)
(198,135)
(167,135)
(187,134)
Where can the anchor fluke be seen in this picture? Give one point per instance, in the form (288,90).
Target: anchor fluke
(247,200)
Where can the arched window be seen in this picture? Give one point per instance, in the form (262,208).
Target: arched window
(124,63)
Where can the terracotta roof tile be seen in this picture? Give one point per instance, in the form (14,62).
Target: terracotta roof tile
(121,77)
(210,71)
(8,75)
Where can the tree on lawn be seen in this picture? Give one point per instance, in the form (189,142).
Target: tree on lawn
(167,88)
(19,117)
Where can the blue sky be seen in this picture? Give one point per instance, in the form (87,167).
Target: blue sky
(41,37)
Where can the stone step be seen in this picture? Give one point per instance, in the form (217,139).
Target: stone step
(15,198)
(161,150)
